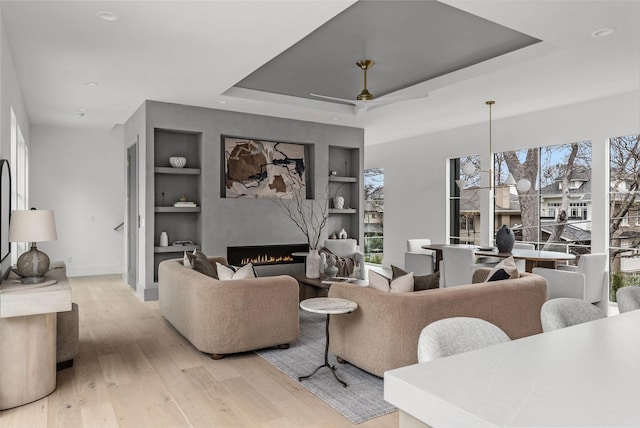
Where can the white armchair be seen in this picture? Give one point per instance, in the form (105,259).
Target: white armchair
(457,265)
(417,259)
(345,248)
(588,281)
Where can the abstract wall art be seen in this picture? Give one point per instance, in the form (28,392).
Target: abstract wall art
(263,169)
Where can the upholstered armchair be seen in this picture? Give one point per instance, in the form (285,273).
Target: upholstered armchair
(417,259)
(588,281)
(345,248)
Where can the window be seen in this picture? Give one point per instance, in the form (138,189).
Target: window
(373,215)
(464,203)
(555,212)
(624,231)
(20,177)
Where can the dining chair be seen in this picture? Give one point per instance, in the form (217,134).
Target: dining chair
(522,264)
(589,280)
(566,311)
(457,265)
(455,335)
(628,298)
(417,259)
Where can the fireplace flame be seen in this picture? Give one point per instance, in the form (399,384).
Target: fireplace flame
(265,259)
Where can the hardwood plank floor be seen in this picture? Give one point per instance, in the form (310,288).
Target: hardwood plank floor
(133,369)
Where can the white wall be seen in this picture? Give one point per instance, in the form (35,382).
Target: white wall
(80,175)
(415,169)
(10,96)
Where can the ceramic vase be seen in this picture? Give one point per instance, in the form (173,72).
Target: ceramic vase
(313,264)
(164,239)
(505,239)
(342,234)
(338,202)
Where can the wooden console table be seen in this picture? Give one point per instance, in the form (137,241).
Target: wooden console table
(28,336)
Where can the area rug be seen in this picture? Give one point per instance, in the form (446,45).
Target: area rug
(360,401)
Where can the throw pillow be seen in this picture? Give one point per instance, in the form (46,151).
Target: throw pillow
(226,272)
(402,284)
(506,269)
(200,263)
(422,282)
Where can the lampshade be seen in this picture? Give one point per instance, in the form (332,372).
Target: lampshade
(468,168)
(32,226)
(523,185)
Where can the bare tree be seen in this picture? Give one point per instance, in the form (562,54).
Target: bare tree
(528,169)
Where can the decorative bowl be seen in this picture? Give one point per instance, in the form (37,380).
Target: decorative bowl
(177,161)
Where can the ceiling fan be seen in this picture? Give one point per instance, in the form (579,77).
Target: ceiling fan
(365,99)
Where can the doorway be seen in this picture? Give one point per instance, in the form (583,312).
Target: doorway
(132,214)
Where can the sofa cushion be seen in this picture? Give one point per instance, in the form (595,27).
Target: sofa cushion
(420,282)
(226,272)
(506,269)
(200,263)
(401,284)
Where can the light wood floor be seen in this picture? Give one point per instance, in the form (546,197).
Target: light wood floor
(134,370)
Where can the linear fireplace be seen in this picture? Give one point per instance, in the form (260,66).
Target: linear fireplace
(261,255)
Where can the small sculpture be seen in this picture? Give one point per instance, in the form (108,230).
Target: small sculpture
(342,234)
(338,202)
(331,270)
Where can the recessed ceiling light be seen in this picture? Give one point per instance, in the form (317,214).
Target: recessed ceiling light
(90,83)
(81,111)
(335,118)
(108,16)
(222,102)
(602,32)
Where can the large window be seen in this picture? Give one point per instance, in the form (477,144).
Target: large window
(553,211)
(624,211)
(373,215)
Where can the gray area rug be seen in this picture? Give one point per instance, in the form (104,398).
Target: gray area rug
(360,401)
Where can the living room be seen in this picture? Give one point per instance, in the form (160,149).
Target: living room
(575,87)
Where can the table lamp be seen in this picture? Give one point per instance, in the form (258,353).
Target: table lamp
(32,226)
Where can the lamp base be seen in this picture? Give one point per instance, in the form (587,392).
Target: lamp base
(32,265)
(33,280)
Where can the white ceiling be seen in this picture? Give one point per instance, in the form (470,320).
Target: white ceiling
(195,52)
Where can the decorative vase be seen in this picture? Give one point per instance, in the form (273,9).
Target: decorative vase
(331,270)
(313,264)
(342,234)
(164,239)
(338,202)
(505,239)
(177,161)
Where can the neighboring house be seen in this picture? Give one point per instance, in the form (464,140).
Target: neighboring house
(580,210)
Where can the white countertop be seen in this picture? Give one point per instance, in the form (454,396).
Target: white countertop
(585,375)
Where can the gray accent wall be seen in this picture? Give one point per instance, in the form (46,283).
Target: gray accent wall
(223,221)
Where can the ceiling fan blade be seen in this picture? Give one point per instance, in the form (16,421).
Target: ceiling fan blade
(342,100)
(388,99)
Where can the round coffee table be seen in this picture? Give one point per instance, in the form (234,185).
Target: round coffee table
(329,306)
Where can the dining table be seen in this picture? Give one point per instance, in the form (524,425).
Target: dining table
(532,258)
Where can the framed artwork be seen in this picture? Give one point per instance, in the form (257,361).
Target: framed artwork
(263,169)
(5,208)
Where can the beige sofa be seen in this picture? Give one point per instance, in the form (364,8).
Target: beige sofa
(225,317)
(382,334)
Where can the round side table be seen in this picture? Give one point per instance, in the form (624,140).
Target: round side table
(329,306)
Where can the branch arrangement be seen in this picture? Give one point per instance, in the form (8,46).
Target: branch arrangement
(309,215)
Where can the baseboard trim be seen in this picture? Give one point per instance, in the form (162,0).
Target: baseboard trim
(94,270)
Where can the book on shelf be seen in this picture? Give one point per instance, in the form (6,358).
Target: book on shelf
(185,204)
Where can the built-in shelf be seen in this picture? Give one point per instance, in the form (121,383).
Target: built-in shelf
(174,248)
(343,211)
(180,171)
(337,179)
(177,209)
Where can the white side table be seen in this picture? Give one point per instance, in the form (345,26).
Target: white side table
(328,306)
(28,337)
